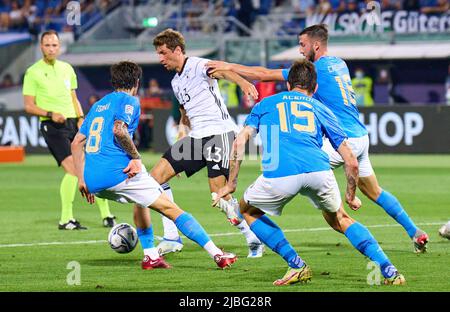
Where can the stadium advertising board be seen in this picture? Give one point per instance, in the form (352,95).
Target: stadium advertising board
(19,128)
(391,129)
(399,22)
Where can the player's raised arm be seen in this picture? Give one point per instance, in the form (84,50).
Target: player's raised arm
(122,136)
(237,155)
(251,72)
(247,87)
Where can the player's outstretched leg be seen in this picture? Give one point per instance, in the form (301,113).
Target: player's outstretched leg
(231,210)
(271,235)
(189,226)
(360,237)
(171,241)
(152,258)
(369,186)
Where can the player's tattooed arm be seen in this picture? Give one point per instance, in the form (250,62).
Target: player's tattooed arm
(238,153)
(236,157)
(351,173)
(124,139)
(121,134)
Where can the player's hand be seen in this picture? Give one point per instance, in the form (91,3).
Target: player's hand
(58,118)
(214,66)
(249,89)
(134,167)
(85,192)
(224,191)
(354,203)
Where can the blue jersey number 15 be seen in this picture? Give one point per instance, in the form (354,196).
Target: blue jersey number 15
(345,85)
(298,113)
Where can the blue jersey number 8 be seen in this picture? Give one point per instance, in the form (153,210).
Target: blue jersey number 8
(93,141)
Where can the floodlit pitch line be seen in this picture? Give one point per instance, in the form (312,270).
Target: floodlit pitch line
(212,235)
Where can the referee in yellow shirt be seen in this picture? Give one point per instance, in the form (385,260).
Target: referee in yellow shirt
(49,92)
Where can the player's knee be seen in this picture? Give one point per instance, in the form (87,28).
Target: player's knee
(162,171)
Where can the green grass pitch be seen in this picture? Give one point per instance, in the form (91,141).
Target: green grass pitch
(34,254)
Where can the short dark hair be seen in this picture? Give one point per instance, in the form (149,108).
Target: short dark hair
(125,75)
(48,33)
(171,38)
(303,75)
(318,32)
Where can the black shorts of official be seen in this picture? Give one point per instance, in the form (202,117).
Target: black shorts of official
(59,136)
(191,155)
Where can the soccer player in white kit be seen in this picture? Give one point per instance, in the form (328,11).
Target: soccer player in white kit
(211,135)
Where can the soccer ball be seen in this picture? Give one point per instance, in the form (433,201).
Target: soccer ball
(123,238)
(444,231)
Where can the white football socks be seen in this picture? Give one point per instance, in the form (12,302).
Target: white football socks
(250,237)
(212,249)
(152,253)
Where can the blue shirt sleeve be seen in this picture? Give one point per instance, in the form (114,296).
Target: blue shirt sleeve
(127,110)
(285,73)
(253,119)
(330,125)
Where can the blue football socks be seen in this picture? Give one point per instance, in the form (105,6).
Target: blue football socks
(192,229)
(271,235)
(146,237)
(392,206)
(365,243)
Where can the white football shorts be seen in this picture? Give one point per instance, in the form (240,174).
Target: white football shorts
(272,194)
(359,146)
(142,189)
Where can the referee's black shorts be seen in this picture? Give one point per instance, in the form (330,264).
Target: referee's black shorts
(59,136)
(191,155)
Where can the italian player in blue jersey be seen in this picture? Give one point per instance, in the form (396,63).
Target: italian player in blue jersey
(291,125)
(108,165)
(336,92)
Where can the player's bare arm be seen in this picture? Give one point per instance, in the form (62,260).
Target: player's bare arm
(122,136)
(247,87)
(185,124)
(77,147)
(236,157)
(32,108)
(351,173)
(250,72)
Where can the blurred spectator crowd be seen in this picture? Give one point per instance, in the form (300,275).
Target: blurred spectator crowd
(36,16)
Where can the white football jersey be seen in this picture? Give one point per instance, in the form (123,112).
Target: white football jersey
(201,98)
